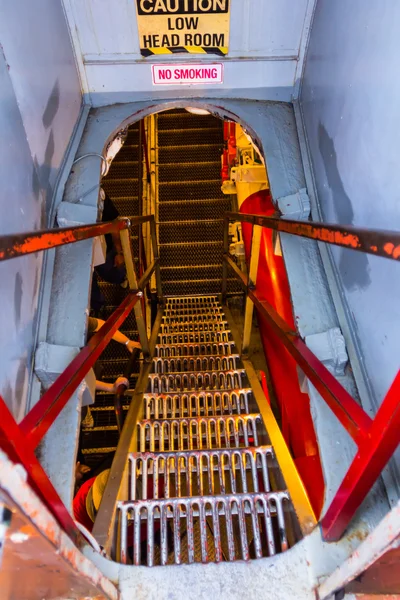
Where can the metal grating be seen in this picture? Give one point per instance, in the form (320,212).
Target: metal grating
(180,273)
(200,286)
(202,488)
(196,404)
(202,209)
(172,319)
(168,351)
(128,152)
(169,172)
(207,309)
(172,232)
(121,184)
(209,325)
(198,337)
(190,190)
(181,520)
(191,153)
(197,433)
(192,301)
(125,169)
(128,206)
(203,254)
(186,364)
(183,137)
(207,380)
(200,473)
(185,119)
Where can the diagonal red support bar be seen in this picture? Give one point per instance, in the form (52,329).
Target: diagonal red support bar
(13,442)
(43,414)
(371,458)
(350,414)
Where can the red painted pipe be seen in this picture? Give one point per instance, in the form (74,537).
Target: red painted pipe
(297,423)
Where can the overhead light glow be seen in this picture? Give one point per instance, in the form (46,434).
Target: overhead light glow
(197,111)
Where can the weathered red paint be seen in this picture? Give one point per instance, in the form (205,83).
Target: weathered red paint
(19,441)
(297,424)
(20,244)
(373,453)
(377,439)
(371,241)
(14,443)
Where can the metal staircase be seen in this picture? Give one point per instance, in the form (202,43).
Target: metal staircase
(204,482)
(98,444)
(191,205)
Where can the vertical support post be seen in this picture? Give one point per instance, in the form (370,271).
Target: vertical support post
(373,453)
(133,284)
(153,233)
(224,264)
(153,204)
(140,196)
(254,258)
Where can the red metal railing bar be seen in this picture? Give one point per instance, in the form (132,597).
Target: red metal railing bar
(349,413)
(14,443)
(43,414)
(372,455)
(20,244)
(377,439)
(370,241)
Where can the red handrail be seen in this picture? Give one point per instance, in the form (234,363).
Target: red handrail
(353,418)
(20,244)
(13,442)
(20,441)
(378,438)
(370,241)
(43,414)
(373,453)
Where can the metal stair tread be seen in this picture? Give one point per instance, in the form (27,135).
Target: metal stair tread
(208,499)
(159,347)
(196,200)
(161,361)
(182,267)
(183,511)
(244,416)
(241,390)
(190,129)
(205,144)
(189,183)
(122,179)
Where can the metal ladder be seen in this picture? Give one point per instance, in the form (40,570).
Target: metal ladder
(204,485)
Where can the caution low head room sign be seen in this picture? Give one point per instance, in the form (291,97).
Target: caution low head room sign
(183,26)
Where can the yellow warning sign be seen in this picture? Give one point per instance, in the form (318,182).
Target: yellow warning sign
(179,26)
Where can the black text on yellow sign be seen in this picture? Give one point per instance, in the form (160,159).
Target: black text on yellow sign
(183,26)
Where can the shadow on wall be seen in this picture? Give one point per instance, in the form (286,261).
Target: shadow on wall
(18,322)
(46,175)
(353,266)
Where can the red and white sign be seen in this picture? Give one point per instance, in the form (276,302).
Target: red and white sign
(173,74)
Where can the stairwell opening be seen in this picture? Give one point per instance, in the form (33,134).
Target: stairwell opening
(182,186)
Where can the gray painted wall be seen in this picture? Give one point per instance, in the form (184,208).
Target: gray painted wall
(266,50)
(40,102)
(350,103)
